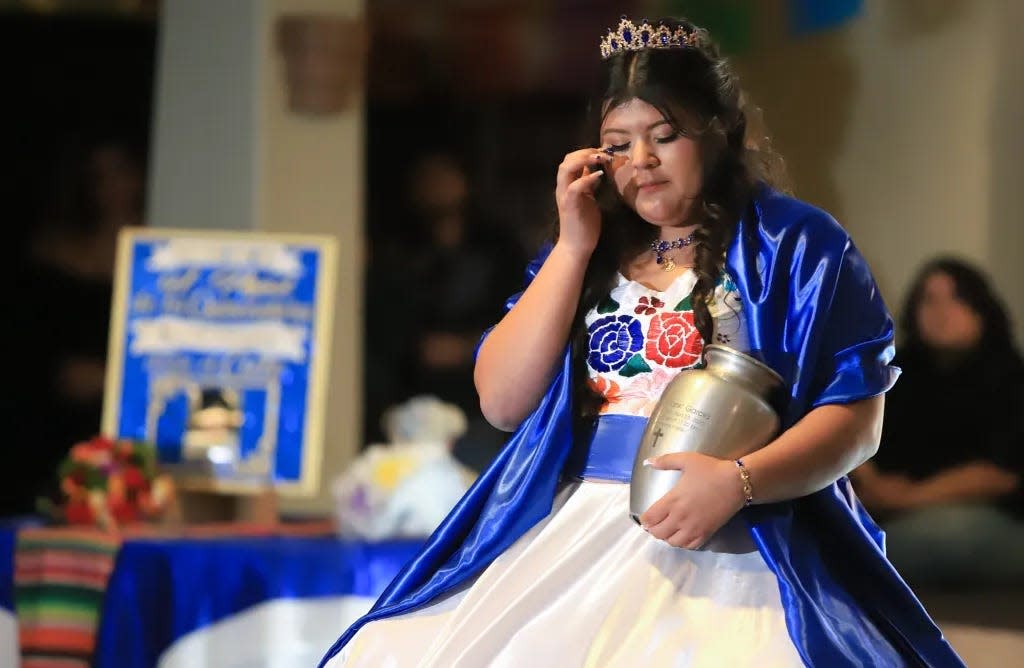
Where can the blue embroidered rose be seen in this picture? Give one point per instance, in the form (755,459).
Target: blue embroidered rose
(613,340)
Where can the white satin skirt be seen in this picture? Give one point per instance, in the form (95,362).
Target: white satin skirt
(588,587)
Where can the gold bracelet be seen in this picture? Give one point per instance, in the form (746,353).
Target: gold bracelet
(748,489)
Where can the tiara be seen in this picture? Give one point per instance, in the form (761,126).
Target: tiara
(631,37)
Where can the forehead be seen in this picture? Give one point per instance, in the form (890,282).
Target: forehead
(631,115)
(940,283)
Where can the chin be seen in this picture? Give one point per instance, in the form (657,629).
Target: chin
(662,216)
(659,219)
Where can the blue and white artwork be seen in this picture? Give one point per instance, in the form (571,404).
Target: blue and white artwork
(216,356)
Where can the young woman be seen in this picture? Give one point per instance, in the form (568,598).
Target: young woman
(668,239)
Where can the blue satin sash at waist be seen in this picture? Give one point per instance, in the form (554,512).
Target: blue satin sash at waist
(610,452)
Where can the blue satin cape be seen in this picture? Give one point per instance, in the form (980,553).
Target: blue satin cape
(814,315)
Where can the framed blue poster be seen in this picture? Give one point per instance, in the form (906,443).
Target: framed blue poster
(219,346)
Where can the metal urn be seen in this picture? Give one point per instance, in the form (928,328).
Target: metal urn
(721,410)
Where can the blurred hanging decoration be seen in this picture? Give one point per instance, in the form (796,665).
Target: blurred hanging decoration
(325,61)
(730,22)
(484,50)
(479,50)
(810,16)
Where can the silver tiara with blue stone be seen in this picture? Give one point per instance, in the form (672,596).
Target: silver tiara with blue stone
(631,37)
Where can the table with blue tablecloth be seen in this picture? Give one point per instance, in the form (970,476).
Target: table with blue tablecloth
(8,622)
(273,601)
(231,595)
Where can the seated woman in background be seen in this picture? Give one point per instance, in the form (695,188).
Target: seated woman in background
(61,307)
(946,482)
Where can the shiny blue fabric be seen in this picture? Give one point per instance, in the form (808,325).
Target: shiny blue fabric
(609,454)
(814,315)
(161,590)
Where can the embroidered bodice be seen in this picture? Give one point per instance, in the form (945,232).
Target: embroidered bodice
(640,338)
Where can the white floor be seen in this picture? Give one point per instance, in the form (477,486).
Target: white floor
(298,632)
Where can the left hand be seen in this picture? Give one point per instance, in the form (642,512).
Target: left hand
(707,495)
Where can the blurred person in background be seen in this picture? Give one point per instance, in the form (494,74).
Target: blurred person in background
(62,308)
(946,482)
(433,285)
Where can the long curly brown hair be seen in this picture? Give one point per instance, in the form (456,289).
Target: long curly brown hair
(698,93)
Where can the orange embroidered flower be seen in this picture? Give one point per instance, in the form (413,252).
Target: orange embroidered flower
(608,389)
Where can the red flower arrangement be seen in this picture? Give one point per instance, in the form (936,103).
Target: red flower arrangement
(111,483)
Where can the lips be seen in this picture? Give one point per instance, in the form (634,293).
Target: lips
(650,185)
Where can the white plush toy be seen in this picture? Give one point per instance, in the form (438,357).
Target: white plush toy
(406,487)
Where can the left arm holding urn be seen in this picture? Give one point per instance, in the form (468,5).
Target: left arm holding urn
(826,444)
(853,333)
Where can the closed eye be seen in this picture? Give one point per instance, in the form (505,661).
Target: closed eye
(619,148)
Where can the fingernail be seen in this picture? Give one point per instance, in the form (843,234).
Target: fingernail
(644,527)
(598,171)
(648,462)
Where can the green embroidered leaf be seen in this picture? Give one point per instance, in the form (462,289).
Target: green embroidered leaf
(634,366)
(608,305)
(685,305)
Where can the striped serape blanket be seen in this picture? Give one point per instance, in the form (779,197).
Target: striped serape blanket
(59,579)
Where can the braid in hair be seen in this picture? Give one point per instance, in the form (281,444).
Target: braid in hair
(726,191)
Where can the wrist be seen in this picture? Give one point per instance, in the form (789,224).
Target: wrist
(746,486)
(576,253)
(733,484)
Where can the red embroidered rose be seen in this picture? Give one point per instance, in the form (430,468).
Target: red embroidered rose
(673,340)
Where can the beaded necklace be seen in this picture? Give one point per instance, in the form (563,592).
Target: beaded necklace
(661,247)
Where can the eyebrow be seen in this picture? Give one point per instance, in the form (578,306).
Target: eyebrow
(607,131)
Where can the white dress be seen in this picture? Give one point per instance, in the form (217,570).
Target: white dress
(587,586)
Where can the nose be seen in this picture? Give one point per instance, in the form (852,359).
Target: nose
(642,156)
